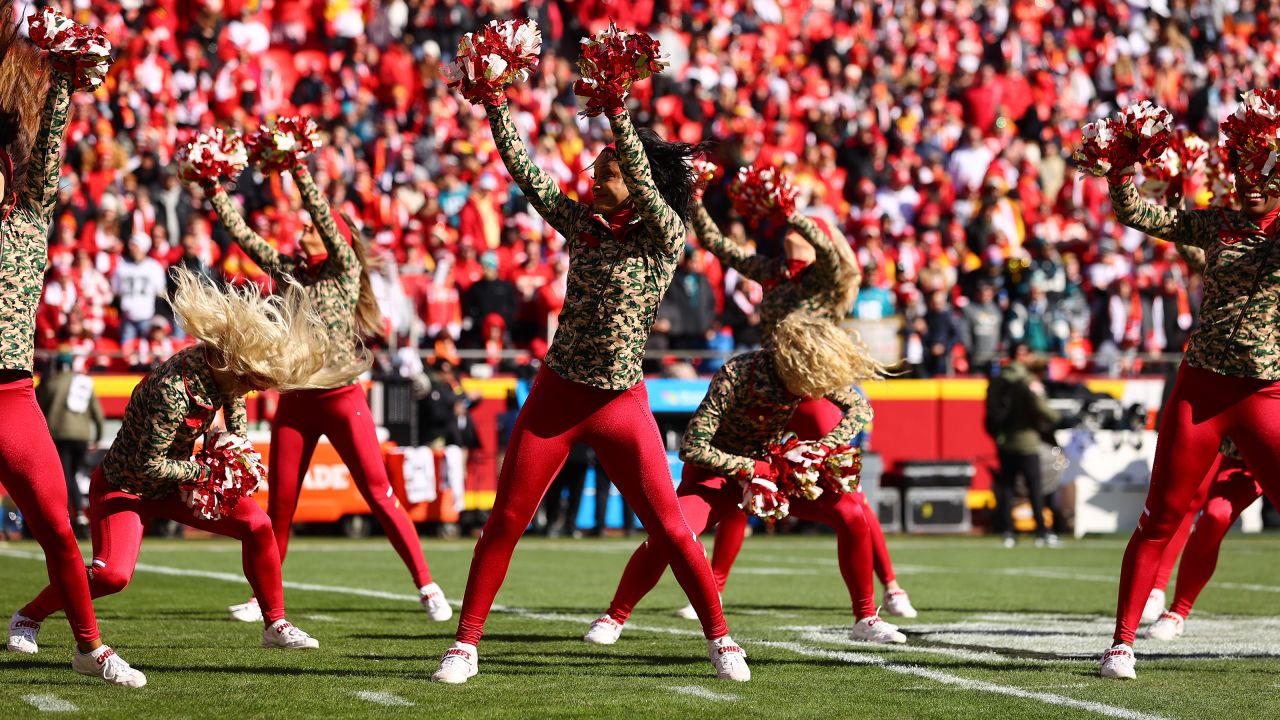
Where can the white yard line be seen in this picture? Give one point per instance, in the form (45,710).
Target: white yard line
(383,698)
(49,703)
(320,618)
(700,692)
(805,650)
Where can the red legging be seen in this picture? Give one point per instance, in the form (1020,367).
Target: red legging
(342,415)
(812,420)
(1232,492)
(117,519)
(706,498)
(619,426)
(1203,408)
(1179,541)
(32,474)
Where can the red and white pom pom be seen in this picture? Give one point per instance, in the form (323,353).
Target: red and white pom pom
(1180,166)
(842,469)
(762,497)
(1252,135)
(760,192)
(78,50)
(612,61)
(212,156)
(235,471)
(801,463)
(282,144)
(704,171)
(500,53)
(1141,133)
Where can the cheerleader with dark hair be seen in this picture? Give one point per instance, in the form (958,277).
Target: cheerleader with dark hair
(623,250)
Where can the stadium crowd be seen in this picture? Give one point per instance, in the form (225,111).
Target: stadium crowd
(933,131)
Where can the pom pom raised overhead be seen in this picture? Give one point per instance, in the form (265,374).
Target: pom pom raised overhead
(612,61)
(235,471)
(501,53)
(1251,137)
(77,50)
(761,192)
(212,156)
(1176,170)
(282,144)
(1139,134)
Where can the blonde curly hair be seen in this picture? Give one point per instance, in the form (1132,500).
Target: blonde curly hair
(814,357)
(267,342)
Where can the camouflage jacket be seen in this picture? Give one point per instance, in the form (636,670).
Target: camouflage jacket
(333,285)
(615,282)
(746,408)
(24,236)
(168,410)
(1241,282)
(816,289)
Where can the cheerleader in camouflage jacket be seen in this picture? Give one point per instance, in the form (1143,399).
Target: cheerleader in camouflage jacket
(332,268)
(818,274)
(623,250)
(246,343)
(750,404)
(30,166)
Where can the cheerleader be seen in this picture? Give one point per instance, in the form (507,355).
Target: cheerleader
(246,342)
(333,270)
(820,275)
(750,403)
(1227,384)
(1232,489)
(30,166)
(623,250)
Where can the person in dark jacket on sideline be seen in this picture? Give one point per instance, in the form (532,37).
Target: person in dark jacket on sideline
(1017,412)
(75,419)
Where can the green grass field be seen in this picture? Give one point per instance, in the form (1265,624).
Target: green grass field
(1002,634)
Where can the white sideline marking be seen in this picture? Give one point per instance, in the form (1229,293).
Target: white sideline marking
(383,698)
(757,570)
(961,682)
(320,618)
(832,637)
(701,692)
(49,703)
(854,658)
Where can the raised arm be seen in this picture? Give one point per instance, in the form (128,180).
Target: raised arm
(40,191)
(322,217)
(539,187)
(696,446)
(662,221)
(827,262)
(749,264)
(1185,227)
(857,416)
(258,250)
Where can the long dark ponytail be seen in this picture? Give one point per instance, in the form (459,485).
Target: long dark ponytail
(669,162)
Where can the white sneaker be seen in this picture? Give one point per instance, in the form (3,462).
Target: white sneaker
(604,631)
(688,613)
(1168,627)
(1154,608)
(249,612)
(1051,540)
(875,630)
(897,604)
(458,665)
(434,602)
(283,635)
(106,664)
(1118,663)
(22,635)
(1009,541)
(729,659)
